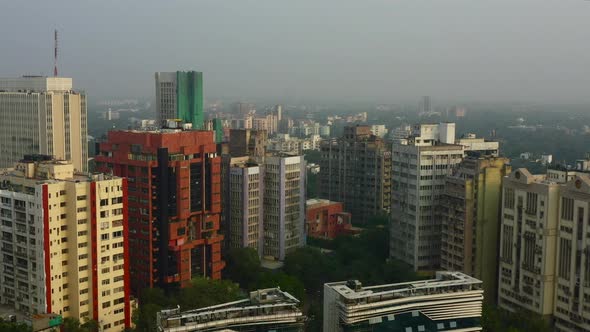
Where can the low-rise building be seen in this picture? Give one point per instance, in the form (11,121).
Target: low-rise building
(450,302)
(265,310)
(326,219)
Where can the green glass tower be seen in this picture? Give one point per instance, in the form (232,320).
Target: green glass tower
(179,95)
(189,97)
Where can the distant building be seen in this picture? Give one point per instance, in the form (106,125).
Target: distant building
(546,159)
(64,243)
(287,144)
(469,211)
(379,130)
(325,131)
(479,146)
(356,170)
(265,310)
(245,142)
(450,302)
(174,203)
(42,115)
(179,95)
(326,219)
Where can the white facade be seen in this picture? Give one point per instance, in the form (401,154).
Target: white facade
(473,143)
(246,187)
(40,115)
(379,130)
(451,302)
(284,205)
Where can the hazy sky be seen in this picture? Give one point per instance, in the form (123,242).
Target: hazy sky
(361,50)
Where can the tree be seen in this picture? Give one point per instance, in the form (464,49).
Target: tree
(6,326)
(243,267)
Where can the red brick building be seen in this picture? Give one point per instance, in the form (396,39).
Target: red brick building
(174,180)
(326,219)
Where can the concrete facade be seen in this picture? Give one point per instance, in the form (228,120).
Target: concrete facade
(42,115)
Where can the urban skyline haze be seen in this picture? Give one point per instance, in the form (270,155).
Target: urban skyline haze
(376,51)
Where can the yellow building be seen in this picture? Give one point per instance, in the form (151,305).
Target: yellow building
(64,243)
(470,216)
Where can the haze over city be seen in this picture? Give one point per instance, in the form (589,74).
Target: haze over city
(357,51)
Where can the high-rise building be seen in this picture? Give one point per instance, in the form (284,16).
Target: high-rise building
(572,277)
(284,205)
(421,164)
(450,302)
(470,215)
(179,95)
(247,142)
(528,243)
(356,170)
(244,204)
(268,309)
(64,242)
(174,203)
(379,130)
(42,115)
(479,146)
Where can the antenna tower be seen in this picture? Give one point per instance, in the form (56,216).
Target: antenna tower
(55,53)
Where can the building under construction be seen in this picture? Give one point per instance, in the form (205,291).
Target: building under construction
(265,310)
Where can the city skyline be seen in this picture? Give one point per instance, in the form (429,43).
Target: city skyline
(333,51)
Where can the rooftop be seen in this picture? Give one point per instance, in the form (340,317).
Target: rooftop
(444,282)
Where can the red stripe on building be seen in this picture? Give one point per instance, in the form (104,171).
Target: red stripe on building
(46,247)
(126,254)
(93,249)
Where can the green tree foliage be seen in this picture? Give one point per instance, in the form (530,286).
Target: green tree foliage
(71,324)
(243,266)
(201,293)
(6,326)
(497,320)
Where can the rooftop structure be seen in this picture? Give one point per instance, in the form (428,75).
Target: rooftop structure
(451,302)
(271,309)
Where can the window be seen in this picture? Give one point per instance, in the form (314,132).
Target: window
(83,268)
(119,301)
(82,221)
(104,202)
(106,304)
(117,234)
(82,244)
(81,280)
(106,282)
(81,198)
(81,209)
(82,233)
(83,256)
(567,208)
(104,237)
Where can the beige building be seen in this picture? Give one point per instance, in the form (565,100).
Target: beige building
(64,243)
(528,243)
(42,115)
(470,217)
(572,289)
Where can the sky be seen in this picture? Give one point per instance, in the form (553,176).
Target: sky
(379,51)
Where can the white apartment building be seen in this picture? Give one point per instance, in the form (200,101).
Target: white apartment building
(284,205)
(166,96)
(474,144)
(452,301)
(246,186)
(42,115)
(421,163)
(64,243)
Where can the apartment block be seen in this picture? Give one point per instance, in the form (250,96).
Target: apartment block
(174,180)
(283,205)
(64,243)
(450,302)
(245,204)
(470,215)
(356,170)
(528,243)
(421,164)
(42,115)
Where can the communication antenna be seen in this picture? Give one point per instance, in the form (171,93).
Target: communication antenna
(55,53)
